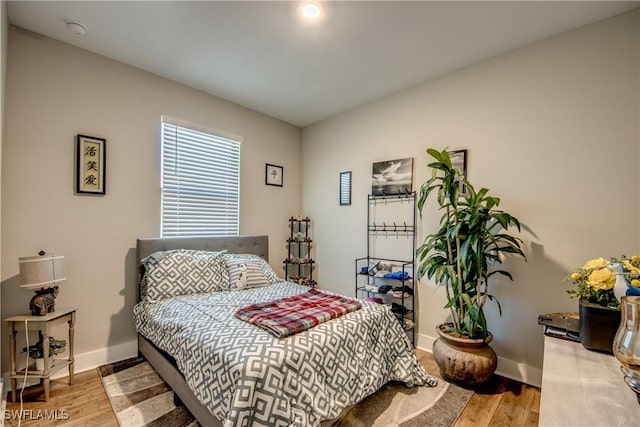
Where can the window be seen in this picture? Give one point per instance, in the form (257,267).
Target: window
(200,182)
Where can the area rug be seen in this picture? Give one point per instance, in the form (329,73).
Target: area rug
(139,397)
(396,405)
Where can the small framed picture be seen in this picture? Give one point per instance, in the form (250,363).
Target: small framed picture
(90,165)
(345,188)
(273,175)
(459,160)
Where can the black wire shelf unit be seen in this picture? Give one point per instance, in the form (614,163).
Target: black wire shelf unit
(397,289)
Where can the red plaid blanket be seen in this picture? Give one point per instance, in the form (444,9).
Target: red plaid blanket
(288,316)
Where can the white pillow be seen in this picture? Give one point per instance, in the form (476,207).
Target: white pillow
(249,271)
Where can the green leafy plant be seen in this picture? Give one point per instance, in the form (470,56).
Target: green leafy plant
(55,347)
(470,242)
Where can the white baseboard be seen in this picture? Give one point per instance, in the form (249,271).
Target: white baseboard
(507,368)
(91,360)
(425,342)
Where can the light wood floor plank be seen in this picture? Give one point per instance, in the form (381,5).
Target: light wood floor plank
(483,404)
(515,405)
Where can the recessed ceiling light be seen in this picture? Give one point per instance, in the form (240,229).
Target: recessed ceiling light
(75,27)
(311,10)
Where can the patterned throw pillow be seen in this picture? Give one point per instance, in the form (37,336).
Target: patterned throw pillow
(183,272)
(249,271)
(146,265)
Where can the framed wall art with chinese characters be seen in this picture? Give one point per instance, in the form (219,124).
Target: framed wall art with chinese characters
(91,165)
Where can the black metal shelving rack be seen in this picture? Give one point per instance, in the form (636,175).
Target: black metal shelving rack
(299,266)
(365,282)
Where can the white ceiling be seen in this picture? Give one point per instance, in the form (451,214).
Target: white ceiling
(263,56)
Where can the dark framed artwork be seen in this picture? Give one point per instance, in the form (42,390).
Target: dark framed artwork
(459,160)
(345,188)
(392,177)
(273,175)
(91,154)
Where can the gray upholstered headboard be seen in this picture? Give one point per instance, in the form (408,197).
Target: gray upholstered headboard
(258,245)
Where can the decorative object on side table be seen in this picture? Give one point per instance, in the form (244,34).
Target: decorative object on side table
(36,351)
(626,345)
(561,325)
(598,325)
(274,175)
(462,255)
(597,283)
(91,165)
(42,273)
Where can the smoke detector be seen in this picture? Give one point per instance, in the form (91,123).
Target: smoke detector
(75,27)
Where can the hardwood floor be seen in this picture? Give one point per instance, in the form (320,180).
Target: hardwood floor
(84,403)
(500,402)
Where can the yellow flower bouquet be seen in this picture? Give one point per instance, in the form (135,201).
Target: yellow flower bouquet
(595,282)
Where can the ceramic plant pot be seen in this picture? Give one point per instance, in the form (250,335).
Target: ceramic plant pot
(463,360)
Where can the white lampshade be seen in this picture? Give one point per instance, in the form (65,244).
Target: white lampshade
(41,271)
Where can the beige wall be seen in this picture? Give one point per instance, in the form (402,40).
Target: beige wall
(56,91)
(551,128)
(4,36)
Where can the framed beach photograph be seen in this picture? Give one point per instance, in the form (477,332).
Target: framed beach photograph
(392,177)
(90,165)
(459,160)
(273,175)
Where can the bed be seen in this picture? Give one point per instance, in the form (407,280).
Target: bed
(228,372)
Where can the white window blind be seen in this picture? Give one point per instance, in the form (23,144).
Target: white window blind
(200,183)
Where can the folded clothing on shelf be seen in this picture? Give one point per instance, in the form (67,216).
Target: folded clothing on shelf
(384,289)
(375,299)
(381,273)
(377,289)
(370,288)
(398,275)
(398,308)
(400,294)
(405,288)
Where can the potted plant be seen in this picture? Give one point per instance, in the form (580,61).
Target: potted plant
(598,305)
(36,351)
(462,255)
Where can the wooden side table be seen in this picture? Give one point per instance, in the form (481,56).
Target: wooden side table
(42,324)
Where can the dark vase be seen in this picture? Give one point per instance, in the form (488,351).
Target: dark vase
(598,326)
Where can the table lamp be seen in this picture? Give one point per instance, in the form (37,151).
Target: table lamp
(42,273)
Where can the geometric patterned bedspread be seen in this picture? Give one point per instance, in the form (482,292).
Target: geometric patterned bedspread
(248,377)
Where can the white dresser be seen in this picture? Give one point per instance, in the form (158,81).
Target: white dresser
(584,388)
